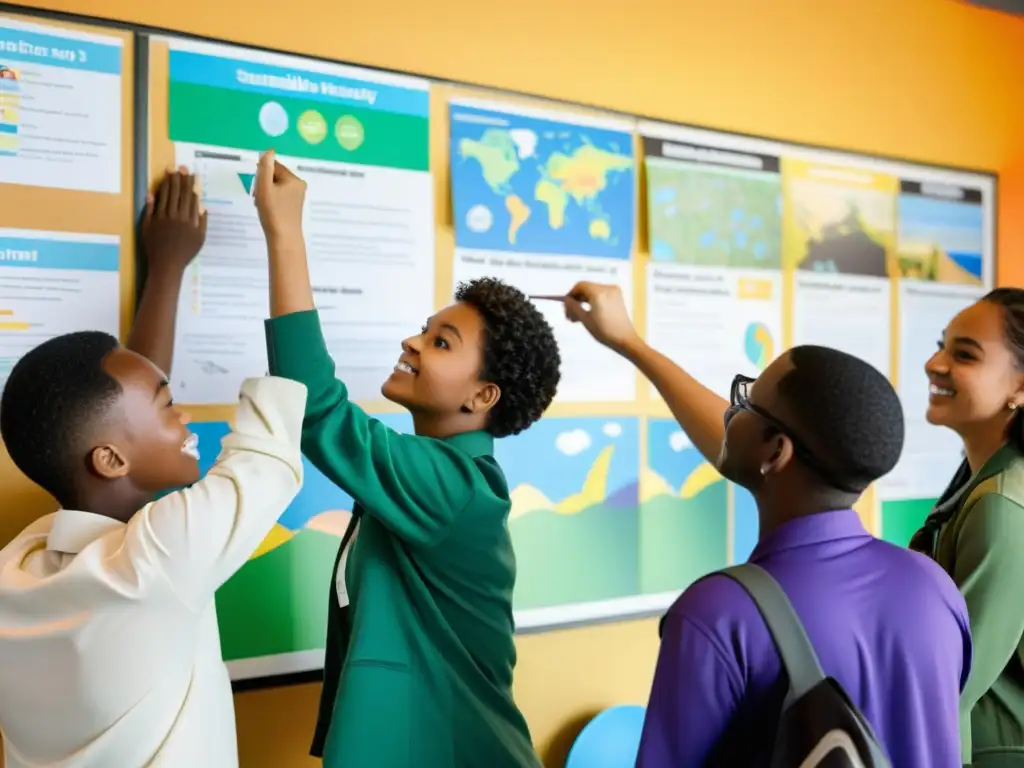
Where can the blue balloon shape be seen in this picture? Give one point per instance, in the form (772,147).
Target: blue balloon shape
(610,740)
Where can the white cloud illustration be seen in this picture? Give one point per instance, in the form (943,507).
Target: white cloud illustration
(678,441)
(612,429)
(572,442)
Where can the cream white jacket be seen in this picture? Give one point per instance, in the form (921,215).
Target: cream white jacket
(109,648)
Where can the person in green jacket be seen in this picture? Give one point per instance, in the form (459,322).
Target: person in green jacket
(976,531)
(419,663)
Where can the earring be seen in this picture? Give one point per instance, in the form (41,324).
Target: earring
(1012,406)
(764,471)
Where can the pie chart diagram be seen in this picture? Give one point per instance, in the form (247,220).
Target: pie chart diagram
(758,345)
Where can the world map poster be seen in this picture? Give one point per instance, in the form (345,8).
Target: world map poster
(543,200)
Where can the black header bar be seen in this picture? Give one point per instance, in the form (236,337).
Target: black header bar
(723,158)
(939,191)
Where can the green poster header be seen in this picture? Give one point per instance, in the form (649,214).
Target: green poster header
(297,127)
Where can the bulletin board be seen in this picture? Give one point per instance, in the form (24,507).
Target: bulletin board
(728,248)
(66,198)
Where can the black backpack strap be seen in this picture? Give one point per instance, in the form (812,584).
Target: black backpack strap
(795,649)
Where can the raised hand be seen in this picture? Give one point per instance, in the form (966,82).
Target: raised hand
(174,224)
(280,195)
(602,311)
(173,231)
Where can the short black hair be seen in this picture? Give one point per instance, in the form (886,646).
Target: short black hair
(54,395)
(846,412)
(520,353)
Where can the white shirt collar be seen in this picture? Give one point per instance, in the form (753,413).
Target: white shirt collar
(73,530)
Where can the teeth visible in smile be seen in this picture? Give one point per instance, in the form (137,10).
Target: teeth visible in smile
(405,368)
(934,390)
(191,447)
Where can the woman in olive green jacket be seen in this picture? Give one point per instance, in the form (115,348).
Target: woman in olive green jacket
(976,531)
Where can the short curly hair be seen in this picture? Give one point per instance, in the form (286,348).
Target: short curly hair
(520,353)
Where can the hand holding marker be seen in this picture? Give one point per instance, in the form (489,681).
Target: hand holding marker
(552,297)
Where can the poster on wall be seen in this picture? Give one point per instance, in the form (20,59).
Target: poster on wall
(545,199)
(60,107)
(839,232)
(574,521)
(753,246)
(52,283)
(273,613)
(945,263)
(360,140)
(714,280)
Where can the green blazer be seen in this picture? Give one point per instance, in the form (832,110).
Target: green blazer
(418,669)
(976,533)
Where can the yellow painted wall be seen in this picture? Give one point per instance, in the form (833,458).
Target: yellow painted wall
(930,80)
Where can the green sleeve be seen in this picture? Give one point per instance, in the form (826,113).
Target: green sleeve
(989,572)
(414,485)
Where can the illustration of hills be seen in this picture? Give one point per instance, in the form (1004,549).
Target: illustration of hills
(573,522)
(319,505)
(527,499)
(574,510)
(277,603)
(683,518)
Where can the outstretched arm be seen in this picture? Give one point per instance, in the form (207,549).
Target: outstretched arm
(173,231)
(699,411)
(414,485)
(197,538)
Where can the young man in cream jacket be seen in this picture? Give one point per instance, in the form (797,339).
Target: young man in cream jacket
(109,648)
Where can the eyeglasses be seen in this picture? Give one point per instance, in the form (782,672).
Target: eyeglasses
(739,400)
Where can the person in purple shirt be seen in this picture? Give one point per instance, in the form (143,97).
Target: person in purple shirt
(815,429)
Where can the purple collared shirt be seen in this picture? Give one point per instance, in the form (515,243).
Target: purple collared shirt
(887,623)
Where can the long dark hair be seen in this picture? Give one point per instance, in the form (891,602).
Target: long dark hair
(1012,302)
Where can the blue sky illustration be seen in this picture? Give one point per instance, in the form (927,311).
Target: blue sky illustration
(318,494)
(554,455)
(671,455)
(670,452)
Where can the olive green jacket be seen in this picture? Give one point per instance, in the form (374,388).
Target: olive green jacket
(976,533)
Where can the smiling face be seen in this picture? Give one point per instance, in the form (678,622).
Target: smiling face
(145,439)
(438,372)
(973,376)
